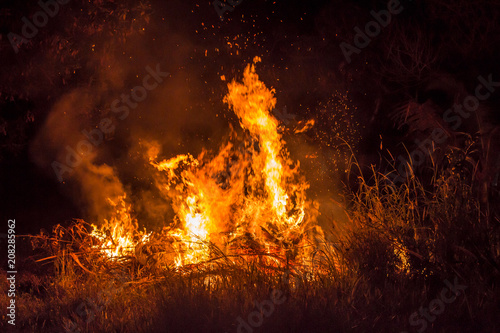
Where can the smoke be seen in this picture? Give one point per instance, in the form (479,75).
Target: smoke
(92,141)
(183,114)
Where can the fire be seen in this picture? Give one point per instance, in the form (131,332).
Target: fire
(117,234)
(252,102)
(249,196)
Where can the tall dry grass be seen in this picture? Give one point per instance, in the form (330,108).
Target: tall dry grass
(402,243)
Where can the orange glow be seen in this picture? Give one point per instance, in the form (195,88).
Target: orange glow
(247,197)
(119,235)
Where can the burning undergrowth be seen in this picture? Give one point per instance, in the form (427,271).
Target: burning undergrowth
(247,201)
(244,228)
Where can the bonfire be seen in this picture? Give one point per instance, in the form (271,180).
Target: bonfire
(247,201)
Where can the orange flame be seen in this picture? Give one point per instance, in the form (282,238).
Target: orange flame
(251,195)
(117,234)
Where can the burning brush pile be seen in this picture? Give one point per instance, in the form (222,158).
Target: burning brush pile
(243,229)
(245,202)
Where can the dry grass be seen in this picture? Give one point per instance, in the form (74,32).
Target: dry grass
(403,242)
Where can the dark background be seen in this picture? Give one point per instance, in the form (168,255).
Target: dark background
(424,61)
